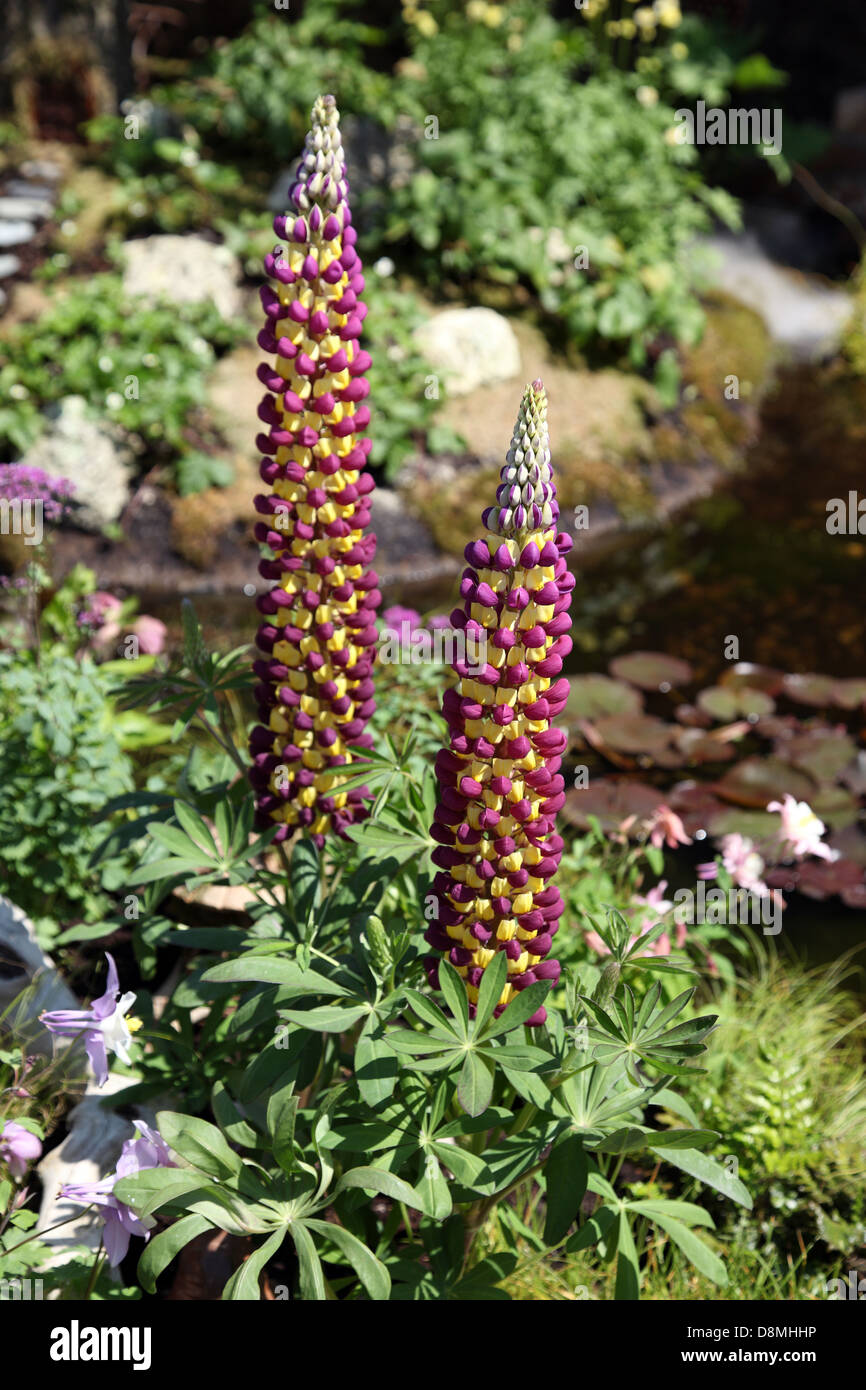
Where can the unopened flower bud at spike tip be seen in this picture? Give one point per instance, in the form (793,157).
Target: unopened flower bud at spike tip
(318,636)
(495,824)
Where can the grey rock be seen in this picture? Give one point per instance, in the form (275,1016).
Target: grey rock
(9,265)
(803,314)
(471,347)
(14,233)
(25,208)
(41,169)
(183,270)
(92,455)
(29,982)
(23,188)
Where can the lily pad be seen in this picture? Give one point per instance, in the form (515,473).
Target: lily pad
(836,807)
(726,703)
(851,844)
(818,879)
(849,693)
(651,670)
(822,752)
(612,800)
(700,747)
(591,697)
(695,804)
(746,674)
(810,689)
(757,781)
(757,825)
(694,717)
(634,733)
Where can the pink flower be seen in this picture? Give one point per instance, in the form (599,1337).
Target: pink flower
(743,862)
(151,634)
(18,1147)
(665,827)
(801,830)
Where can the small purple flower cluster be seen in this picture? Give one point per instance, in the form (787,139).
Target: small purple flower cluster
(20,482)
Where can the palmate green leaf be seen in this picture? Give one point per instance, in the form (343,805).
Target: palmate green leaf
(432,1187)
(683,1138)
(707,1170)
(475,1087)
(701,1256)
(628,1140)
(430,1013)
(155,872)
(566,1172)
(378,1180)
(454,993)
(376,1067)
(199,1143)
(244,1283)
(328,1018)
(161,1249)
(311,1277)
(180,844)
(258,968)
(592,1231)
(466,1166)
(230,1120)
(482,1282)
(306,880)
(404,1040)
(153,1188)
(492,984)
(527,1002)
(689,1213)
(627,1285)
(372,1273)
(282,1112)
(518,1056)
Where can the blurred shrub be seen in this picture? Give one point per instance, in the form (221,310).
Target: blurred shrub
(543,152)
(142,367)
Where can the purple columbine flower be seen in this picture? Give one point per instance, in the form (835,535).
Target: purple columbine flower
(104,1025)
(147,1150)
(18,1147)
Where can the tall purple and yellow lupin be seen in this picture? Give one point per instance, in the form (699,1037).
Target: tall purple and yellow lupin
(315,691)
(495,824)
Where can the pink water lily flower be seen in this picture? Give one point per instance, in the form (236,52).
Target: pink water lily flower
(147,1150)
(742,861)
(18,1147)
(801,830)
(665,827)
(103,1026)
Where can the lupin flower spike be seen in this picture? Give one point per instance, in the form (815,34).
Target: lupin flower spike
(495,824)
(318,636)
